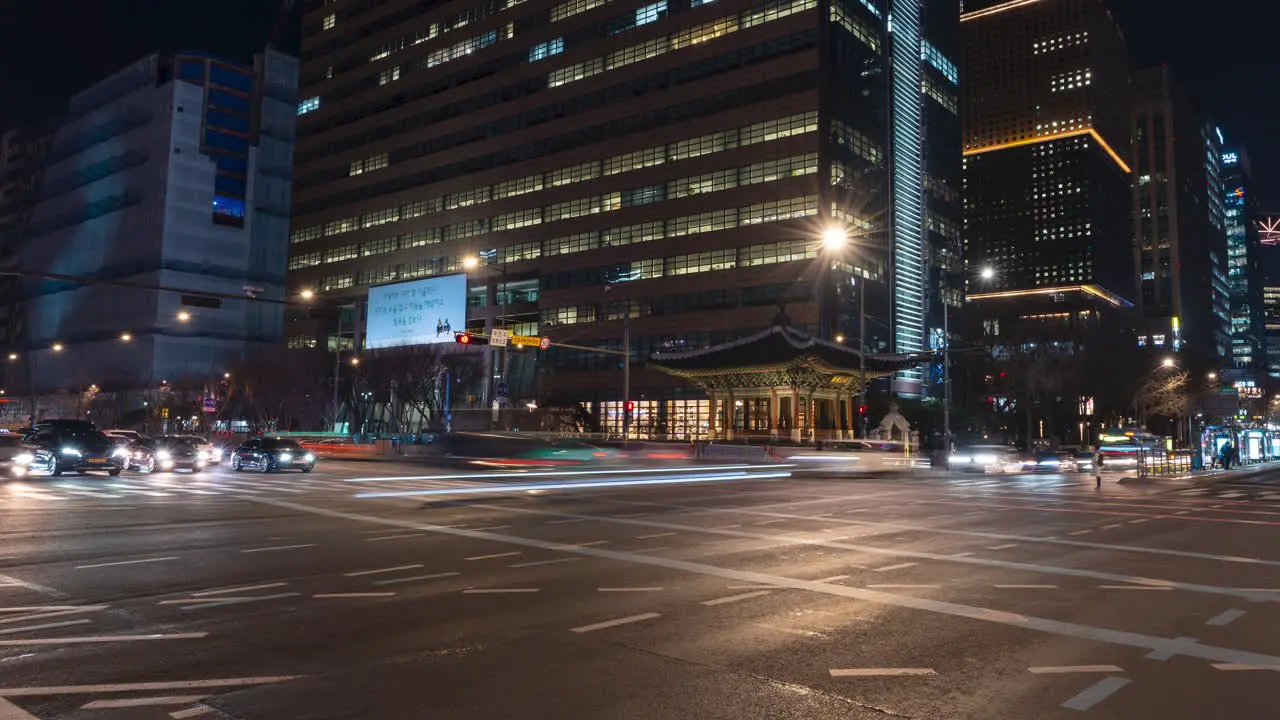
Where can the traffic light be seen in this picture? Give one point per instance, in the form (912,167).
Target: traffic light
(466,338)
(862,409)
(629,407)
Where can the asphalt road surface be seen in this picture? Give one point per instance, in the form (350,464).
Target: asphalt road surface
(747,594)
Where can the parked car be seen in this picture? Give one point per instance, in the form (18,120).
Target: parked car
(16,457)
(271,454)
(166,453)
(77,448)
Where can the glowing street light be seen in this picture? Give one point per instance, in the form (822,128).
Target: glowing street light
(183,316)
(471,262)
(987,273)
(1167,362)
(1213,376)
(839,338)
(226,376)
(57,347)
(355,361)
(13,356)
(834,238)
(307,294)
(125,337)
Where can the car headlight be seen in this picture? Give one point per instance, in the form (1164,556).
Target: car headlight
(202,455)
(121,452)
(309,458)
(286,457)
(24,458)
(163,455)
(70,451)
(960,458)
(217,454)
(984,459)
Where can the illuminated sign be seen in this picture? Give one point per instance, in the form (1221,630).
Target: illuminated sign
(1269,231)
(1230,158)
(418,312)
(1220,138)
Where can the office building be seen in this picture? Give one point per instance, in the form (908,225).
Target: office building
(1268,237)
(21,161)
(1244,261)
(1050,266)
(174,172)
(1178,213)
(675,163)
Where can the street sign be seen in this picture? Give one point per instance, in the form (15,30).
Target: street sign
(498,337)
(544,343)
(500,392)
(210,404)
(526,340)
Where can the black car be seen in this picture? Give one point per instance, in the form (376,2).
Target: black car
(16,457)
(167,453)
(77,448)
(271,455)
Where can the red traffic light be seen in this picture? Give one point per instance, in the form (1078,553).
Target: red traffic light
(862,409)
(463,338)
(629,406)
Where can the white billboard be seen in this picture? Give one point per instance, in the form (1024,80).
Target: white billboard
(418,312)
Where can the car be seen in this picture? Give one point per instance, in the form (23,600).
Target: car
(16,457)
(1041,461)
(983,458)
(272,454)
(77,448)
(212,453)
(130,434)
(166,453)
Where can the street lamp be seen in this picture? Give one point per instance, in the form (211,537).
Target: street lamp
(987,273)
(1213,376)
(125,337)
(56,347)
(355,361)
(13,356)
(472,262)
(1167,362)
(307,294)
(835,238)
(226,376)
(183,316)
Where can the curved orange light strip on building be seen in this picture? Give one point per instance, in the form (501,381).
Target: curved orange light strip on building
(1056,136)
(994,9)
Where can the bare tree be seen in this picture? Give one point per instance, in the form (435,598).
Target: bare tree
(1165,393)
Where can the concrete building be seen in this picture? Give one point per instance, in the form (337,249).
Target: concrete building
(174,172)
(1244,263)
(1179,245)
(675,163)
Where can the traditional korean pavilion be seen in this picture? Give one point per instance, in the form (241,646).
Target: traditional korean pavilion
(781,383)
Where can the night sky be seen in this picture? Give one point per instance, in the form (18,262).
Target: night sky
(1225,54)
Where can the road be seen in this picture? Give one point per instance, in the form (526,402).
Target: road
(749,594)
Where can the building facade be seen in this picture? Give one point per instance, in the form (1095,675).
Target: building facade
(1244,262)
(172,173)
(671,164)
(1178,242)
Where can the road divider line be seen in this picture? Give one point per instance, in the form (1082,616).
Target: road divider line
(655,535)
(1112,527)
(243,588)
(545,562)
(1026,587)
(394,537)
(46,626)
(629,589)
(433,576)
(142,687)
(189,601)
(278,548)
(126,562)
(1067,669)
(43,608)
(1096,693)
(1226,617)
(353,595)
(899,566)
(615,623)
(495,555)
(592,543)
(736,598)
(196,711)
(142,702)
(1006,546)
(100,639)
(1134,587)
(380,571)
(493,527)
(201,605)
(498,591)
(753,587)
(880,672)
(1080,532)
(45,615)
(1236,667)
(725,527)
(905,587)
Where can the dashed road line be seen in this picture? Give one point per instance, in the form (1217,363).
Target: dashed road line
(394,537)
(1226,617)
(899,566)
(46,626)
(735,598)
(1080,532)
(353,595)
(142,687)
(1006,546)
(126,562)
(629,589)
(880,672)
(278,548)
(1236,667)
(196,711)
(1026,587)
(545,562)
(1134,587)
(142,702)
(201,605)
(57,613)
(380,571)
(592,543)
(615,623)
(656,535)
(904,587)
(1096,693)
(243,588)
(101,639)
(494,555)
(1066,669)
(498,591)
(415,578)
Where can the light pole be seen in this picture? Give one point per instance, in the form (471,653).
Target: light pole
(308,296)
(835,239)
(472,263)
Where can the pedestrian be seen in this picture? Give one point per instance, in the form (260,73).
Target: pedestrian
(1227,455)
(1097,467)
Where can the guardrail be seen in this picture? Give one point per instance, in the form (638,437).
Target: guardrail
(1160,462)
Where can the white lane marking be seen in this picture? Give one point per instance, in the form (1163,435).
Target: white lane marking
(196,711)
(923,604)
(141,687)
(242,588)
(200,605)
(564,522)
(354,595)
(1111,527)
(735,598)
(545,562)
(655,535)
(46,626)
(189,601)
(832,579)
(770,522)
(397,568)
(1006,546)
(495,555)
(899,566)
(35,587)
(591,544)
(629,589)
(726,527)
(904,587)
(394,537)
(615,623)
(278,547)
(493,527)
(753,587)
(880,672)
(1182,512)
(498,591)
(1138,521)
(791,631)
(1080,532)
(142,702)
(1226,617)
(1096,693)
(101,639)
(43,608)
(1026,587)
(959,554)
(1231,667)
(59,613)
(1067,669)
(9,711)
(1133,587)
(397,581)
(127,562)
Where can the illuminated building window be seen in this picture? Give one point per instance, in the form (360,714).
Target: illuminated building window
(308,105)
(389,75)
(330,21)
(555,46)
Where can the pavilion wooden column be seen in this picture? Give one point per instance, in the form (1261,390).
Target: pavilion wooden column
(730,416)
(795,415)
(849,413)
(773,413)
(711,416)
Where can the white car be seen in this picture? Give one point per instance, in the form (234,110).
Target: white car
(985,459)
(855,455)
(211,453)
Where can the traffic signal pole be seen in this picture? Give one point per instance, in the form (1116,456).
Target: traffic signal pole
(626,373)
